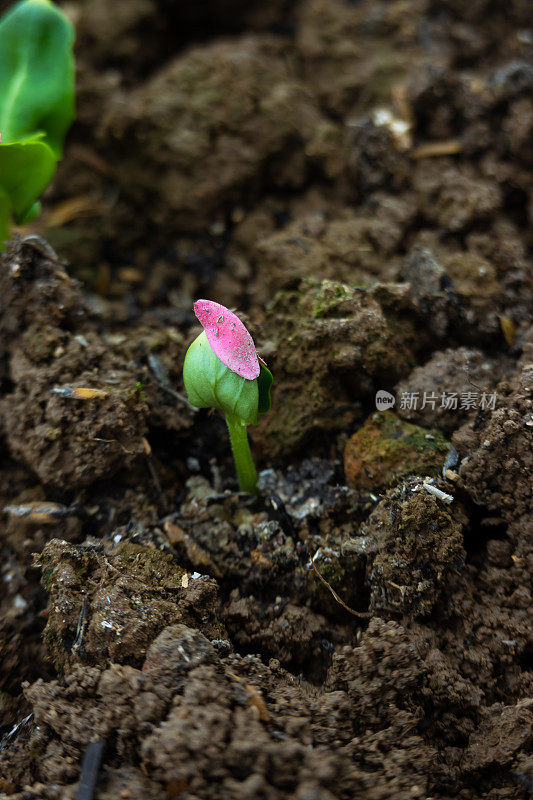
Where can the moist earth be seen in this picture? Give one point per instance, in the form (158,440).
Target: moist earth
(355,180)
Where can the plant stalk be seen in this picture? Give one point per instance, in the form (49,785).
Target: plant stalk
(244,464)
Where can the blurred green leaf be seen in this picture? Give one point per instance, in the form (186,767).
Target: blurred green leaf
(36,104)
(36,73)
(5,209)
(32,214)
(26,169)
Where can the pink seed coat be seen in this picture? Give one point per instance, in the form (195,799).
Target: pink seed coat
(229,338)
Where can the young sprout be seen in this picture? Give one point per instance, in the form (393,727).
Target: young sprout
(222,370)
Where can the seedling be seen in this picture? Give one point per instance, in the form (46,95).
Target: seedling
(36,105)
(222,370)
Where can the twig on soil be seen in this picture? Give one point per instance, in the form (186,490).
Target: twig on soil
(81,206)
(80,392)
(360,614)
(82,623)
(89,770)
(47,513)
(114,441)
(432,149)
(41,245)
(438,493)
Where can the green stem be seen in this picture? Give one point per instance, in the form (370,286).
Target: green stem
(246,472)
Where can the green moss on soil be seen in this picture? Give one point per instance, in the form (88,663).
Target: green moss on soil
(387,449)
(329,296)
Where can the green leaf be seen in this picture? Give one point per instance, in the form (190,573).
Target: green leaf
(210,384)
(32,213)
(264,382)
(26,169)
(36,74)
(5,214)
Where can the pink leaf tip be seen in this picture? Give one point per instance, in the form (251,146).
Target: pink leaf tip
(229,338)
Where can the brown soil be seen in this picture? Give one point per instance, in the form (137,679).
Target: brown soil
(355,178)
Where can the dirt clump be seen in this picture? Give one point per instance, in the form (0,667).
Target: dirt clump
(506,731)
(72,411)
(386,449)
(448,387)
(239,109)
(454,198)
(497,631)
(351,248)
(73,442)
(74,403)
(148,32)
(412,543)
(109,603)
(458,294)
(497,447)
(330,340)
(347,53)
(35,291)
(304,513)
